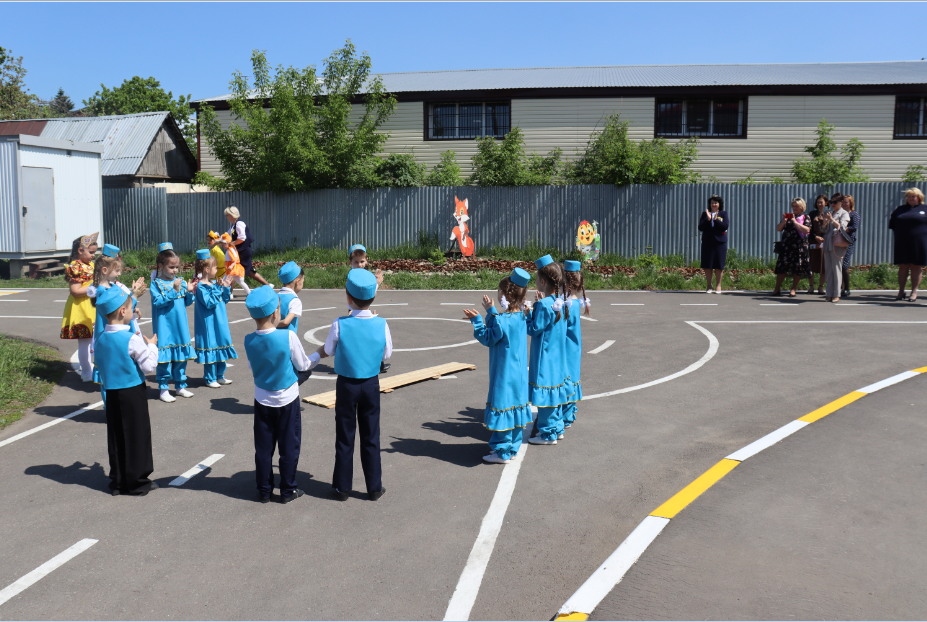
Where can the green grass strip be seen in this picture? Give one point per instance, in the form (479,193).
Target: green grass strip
(28,373)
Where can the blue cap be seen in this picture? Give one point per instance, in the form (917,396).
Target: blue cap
(110,251)
(357,247)
(543,261)
(203,253)
(520,277)
(362,284)
(262,302)
(289,272)
(111,299)
(572,266)
(165,246)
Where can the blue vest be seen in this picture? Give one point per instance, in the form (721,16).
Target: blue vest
(117,369)
(269,355)
(361,342)
(284,309)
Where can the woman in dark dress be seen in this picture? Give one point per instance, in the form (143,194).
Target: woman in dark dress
(909,223)
(241,238)
(849,204)
(794,258)
(713,224)
(816,243)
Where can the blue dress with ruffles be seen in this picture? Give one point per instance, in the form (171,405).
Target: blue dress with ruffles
(506,335)
(211,325)
(169,320)
(574,347)
(549,382)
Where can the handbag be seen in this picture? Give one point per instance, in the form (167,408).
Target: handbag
(778,247)
(840,239)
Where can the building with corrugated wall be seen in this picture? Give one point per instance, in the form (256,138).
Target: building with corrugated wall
(751,120)
(139,150)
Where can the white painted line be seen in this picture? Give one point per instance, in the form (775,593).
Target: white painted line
(392,304)
(455,304)
(236,302)
(320,309)
(316,377)
(202,466)
(309,335)
(812,321)
(627,304)
(31,317)
(698,304)
(451,377)
(241,320)
(469,583)
(778,304)
(712,350)
(858,304)
(50,424)
(602,347)
(872,388)
(767,441)
(55,562)
(453,345)
(613,569)
(143,322)
(14,300)
(534,409)
(59,301)
(583,317)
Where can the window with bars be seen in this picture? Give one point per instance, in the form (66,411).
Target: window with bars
(722,118)
(909,117)
(468,120)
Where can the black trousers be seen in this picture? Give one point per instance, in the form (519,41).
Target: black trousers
(280,428)
(357,404)
(128,438)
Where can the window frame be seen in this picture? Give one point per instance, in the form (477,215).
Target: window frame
(427,110)
(711,97)
(922,120)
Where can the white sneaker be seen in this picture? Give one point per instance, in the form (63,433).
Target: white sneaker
(495,459)
(184,393)
(167,397)
(86,378)
(224,381)
(537,440)
(560,436)
(709,291)
(231,294)
(213,385)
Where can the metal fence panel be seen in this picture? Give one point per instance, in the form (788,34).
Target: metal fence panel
(632,219)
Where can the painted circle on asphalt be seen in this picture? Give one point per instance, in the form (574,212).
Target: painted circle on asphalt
(310,337)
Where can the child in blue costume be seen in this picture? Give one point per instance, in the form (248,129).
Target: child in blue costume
(358,256)
(291,307)
(170,297)
(506,334)
(548,379)
(212,338)
(578,304)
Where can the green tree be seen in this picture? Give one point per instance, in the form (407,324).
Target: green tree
(16,102)
(399,170)
(446,172)
(827,168)
(144,95)
(915,174)
(505,163)
(298,130)
(611,157)
(61,104)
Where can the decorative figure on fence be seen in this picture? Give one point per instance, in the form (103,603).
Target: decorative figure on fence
(588,241)
(461,231)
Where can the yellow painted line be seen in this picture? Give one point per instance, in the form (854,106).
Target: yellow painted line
(921,370)
(572,616)
(691,492)
(834,406)
(8,292)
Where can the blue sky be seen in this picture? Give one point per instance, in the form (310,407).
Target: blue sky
(194,48)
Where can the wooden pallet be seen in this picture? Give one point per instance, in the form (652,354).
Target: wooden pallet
(389,383)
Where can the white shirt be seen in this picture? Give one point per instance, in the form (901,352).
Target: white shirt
(276,399)
(145,354)
(239,228)
(296,305)
(92,293)
(332,341)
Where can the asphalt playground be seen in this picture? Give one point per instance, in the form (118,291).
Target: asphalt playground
(826,523)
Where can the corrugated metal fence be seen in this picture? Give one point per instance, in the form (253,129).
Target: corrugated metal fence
(631,218)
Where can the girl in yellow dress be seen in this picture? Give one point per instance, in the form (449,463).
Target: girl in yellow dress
(79,313)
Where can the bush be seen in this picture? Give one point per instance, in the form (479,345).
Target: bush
(399,170)
(505,163)
(915,174)
(826,168)
(446,172)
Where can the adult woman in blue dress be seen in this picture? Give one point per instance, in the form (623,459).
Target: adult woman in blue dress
(909,223)
(849,204)
(242,240)
(714,224)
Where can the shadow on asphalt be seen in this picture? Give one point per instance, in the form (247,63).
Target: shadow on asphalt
(470,425)
(92,476)
(242,486)
(231,406)
(55,412)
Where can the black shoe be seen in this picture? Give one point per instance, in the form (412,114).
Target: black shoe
(376,495)
(384,367)
(115,492)
(337,495)
(263,499)
(296,494)
(846,294)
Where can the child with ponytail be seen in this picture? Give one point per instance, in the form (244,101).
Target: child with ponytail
(79,312)
(170,297)
(213,340)
(506,334)
(578,303)
(549,384)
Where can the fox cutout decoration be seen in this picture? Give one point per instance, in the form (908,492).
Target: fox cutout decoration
(461,231)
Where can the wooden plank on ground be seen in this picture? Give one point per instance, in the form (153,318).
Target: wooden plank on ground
(389,383)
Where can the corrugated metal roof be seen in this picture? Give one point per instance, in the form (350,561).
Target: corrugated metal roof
(125,138)
(30,128)
(896,72)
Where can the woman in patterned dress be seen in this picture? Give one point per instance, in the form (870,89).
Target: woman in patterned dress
(794,258)
(79,313)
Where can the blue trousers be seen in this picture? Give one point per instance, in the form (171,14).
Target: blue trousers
(279,428)
(506,443)
(569,413)
(550,422)
(176,370)
(214,371)
(357,405)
